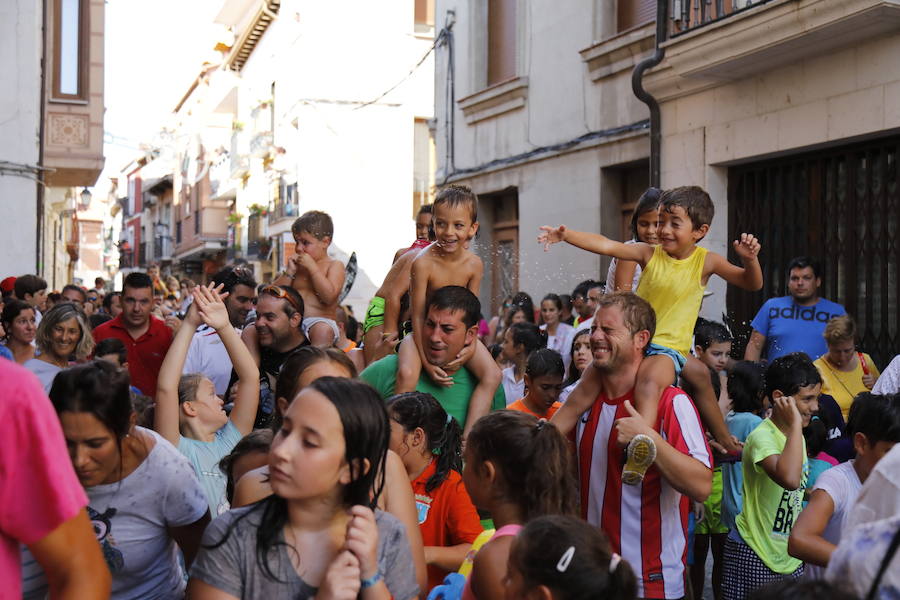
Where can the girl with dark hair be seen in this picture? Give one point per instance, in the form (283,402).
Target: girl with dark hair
(580,358)
(559,557)
(248,454)
(143,495)
(519,341)
(624,275)
(517,468)
(19,323)
(523,300)
(544,381)
(189,414)
(559,335)
(317,535)
(62,335)
(429,442)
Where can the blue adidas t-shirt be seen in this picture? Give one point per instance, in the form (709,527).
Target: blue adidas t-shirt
(789,327)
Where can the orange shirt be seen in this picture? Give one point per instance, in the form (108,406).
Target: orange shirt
(447,516)
(520,406)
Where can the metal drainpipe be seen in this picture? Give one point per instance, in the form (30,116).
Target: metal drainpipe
(39,241)
(637,86)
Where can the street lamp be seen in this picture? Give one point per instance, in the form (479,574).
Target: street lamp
(84,199)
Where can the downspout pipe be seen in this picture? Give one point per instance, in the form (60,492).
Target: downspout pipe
(637,86)
(42,106)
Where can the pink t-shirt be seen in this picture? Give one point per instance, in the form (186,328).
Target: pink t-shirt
(38,487)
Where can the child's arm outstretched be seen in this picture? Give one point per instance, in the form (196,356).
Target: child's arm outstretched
(749,276)
(165,415)
(786,469)
(639,252)
(213,312)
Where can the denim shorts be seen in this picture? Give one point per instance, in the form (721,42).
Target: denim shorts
(677,357)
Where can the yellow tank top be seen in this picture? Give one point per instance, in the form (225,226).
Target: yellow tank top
(673,289)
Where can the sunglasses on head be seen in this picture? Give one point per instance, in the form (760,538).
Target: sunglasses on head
(279,292)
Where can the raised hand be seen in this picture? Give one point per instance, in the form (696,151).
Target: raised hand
(210,306)
(748,247)
(785,409)
(551,235)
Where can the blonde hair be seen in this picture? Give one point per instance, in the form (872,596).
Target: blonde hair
(840,329)
(61,313)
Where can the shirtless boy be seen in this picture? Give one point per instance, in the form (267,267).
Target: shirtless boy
(447,262)
(317,277)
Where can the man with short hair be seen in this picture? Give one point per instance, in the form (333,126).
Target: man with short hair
(74,294)
(645,523)
(584,303)
(207,353)
(274,336)
(33,290)
(146,337)
(796,322)
(451,323)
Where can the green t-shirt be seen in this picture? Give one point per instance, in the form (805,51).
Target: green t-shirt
(382,375)
(769,510)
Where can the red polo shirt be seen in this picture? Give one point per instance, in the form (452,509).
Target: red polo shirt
(145,354)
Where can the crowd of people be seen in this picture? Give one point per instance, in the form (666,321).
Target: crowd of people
(245,439)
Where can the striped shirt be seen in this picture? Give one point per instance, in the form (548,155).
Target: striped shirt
(646,523)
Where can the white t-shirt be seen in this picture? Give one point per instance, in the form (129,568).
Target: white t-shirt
(842,484)
(207,355)
(561,342)
(889,380)
(513,389)
(131,518)
(611,273)
(879,497)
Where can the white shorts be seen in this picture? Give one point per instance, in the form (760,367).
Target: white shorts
(308,323)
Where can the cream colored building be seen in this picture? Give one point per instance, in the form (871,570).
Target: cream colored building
(536,114)
(788,113)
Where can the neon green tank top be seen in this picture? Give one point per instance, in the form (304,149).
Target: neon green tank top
(673,289)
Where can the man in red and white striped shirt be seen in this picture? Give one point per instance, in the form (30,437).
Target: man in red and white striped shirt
(646,523)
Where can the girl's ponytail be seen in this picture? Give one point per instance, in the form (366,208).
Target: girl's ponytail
(443,432)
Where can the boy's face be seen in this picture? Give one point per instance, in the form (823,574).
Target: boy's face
(807,400)
(545,389)
(676,230)
(453,227)
(423,224)
(310,244)
(716,356)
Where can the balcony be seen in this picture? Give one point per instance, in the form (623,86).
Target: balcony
(286,205)
(724,40)
(162,249)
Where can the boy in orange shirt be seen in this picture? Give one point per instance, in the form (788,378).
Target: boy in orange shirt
(543,381)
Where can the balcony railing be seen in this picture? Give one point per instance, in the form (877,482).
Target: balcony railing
(142,254)
(162,248)
(687,15)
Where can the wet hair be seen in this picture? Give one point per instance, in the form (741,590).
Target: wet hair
(528,335)
(789,373)
(99,389)
(584,287)
(456,297)
(636,312)
(232,276)
(745,386)
(840,329)
(538,552)
(28,284)
(11,311)
(523,300)
(802,589)
(366,433)
(532,459)
(425,209)
(574,373)
(803,262)
(112,346)
(545,361)
(286,386)
(187,387)
(555,299)
(876,416)
(107,300)
(97,319)
(137,280)
(648,201)
(457,195)
(314,222)
(258,440)
(815,434)
(444,435)
(707,333)
(695,202)
(80,290)
(61,313)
